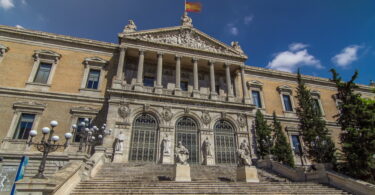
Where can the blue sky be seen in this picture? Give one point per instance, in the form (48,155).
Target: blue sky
(315,35)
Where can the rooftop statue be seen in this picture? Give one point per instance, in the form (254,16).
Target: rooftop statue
(236,46)
(186,20)
(130,27)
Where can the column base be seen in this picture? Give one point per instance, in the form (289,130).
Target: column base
(182,173)
(158,89)
(196,94)
(248,174)
(230,98)
(138,87)
(177,91)
(213,96)
(118,84)
(247,101)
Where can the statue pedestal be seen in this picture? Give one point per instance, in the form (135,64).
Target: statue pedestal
(118,158)
(166,159)
(247,174)
(208,161)
(182,173)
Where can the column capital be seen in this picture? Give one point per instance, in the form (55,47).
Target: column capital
(141,51)
(242,66)
(159,53)
(123,47)
(226,64)
(177,56)
(211,62)
(194,60)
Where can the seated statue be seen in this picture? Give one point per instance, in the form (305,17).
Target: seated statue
(181,154)
(244,155)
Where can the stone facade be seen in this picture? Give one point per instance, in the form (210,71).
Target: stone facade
(186,85)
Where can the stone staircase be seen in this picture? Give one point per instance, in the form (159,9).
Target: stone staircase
(119,178)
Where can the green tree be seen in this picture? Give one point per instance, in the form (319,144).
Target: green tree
(357,121)
(263,133)
(281,151)
(319,146)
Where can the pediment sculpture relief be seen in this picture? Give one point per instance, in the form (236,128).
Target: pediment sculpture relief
(186,38)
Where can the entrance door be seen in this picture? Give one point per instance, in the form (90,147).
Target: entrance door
(187,132)
(297,149)
(225,146)
(143,143)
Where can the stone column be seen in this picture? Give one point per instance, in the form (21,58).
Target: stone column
(177,89)
(213,94)
(230,96)
(120,67)
(246,97)
(159,86)
(139,82)
(196,84)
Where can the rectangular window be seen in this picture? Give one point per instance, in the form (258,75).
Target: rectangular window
(296,145)
(256,99)
(184,85)
(77,137)
(43,73)
(287,103)
(93,79)
(148,81)
(24,126)
(316,106)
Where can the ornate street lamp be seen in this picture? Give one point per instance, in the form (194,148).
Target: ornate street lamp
(90,136)
(47,146)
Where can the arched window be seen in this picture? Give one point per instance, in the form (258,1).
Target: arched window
(143,143)
(225,145)
(187,132)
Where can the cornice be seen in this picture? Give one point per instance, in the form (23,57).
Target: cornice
(293,77)
(4,91)
(58,38)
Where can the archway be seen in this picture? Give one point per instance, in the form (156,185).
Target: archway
(225,145)
(144,136)
(187,132)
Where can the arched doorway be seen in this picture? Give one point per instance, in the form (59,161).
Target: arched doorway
(187,132)
(143,142)
(225,145)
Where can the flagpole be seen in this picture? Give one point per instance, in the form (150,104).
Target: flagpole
(185,9)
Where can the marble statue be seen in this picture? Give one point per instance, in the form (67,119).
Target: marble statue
(166,145)
(181,154)
(120,142)
(130,27)
(244,155)
(206,148)
(186,20)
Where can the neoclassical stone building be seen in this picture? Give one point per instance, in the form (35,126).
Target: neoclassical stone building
(174,84)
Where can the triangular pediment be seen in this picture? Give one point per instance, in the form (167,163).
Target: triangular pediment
(185,37)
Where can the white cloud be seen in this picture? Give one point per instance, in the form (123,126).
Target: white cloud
(6,4)
(297,46)
(24,2)
(347,56)
(297,56)
(248,19)
(19,26)
(232,29)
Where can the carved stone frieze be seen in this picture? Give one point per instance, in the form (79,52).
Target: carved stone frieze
(241,119)
(185,38)
(167,114)
(206,119)
(124,111)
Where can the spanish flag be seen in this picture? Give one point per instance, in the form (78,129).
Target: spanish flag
(193,7)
